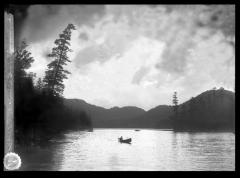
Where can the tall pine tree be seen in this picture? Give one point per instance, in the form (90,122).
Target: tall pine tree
(175,103)
(55,73)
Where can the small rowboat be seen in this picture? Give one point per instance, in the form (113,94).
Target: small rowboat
(125,141)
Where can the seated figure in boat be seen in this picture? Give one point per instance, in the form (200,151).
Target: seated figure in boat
(125,141)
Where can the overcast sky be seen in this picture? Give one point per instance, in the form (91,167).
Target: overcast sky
(135,54)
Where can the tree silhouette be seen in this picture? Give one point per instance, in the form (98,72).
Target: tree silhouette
(22,61)
(55,73)
(39,84)
(175,103)
(23,84)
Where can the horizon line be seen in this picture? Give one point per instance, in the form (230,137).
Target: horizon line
(146,110)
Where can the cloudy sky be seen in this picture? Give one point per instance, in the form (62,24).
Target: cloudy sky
(137,55)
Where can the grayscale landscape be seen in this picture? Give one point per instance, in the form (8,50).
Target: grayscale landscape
(124,87)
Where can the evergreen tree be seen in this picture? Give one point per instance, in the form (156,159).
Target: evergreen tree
(39,84)
(22,80)
(22,62)
(175,102)
(55,73)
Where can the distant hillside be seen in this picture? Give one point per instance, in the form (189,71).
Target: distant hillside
(211,109)
(157,117)
(101,117)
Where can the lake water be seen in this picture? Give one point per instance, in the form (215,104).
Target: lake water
(151,150)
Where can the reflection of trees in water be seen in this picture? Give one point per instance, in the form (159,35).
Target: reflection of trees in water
(46,156)
(176,147)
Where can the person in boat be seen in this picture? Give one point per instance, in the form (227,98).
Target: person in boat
(125,141)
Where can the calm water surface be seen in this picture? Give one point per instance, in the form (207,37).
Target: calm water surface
(151,150)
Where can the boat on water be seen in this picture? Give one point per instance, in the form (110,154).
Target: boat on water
(137,130)
(121,140)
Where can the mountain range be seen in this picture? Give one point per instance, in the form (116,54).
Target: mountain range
(212,107)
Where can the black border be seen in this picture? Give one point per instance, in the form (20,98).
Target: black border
(121,173)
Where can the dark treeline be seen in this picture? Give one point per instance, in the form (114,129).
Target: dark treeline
(211,110)
(39,108)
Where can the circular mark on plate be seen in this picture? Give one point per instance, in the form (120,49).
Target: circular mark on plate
(12,161)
